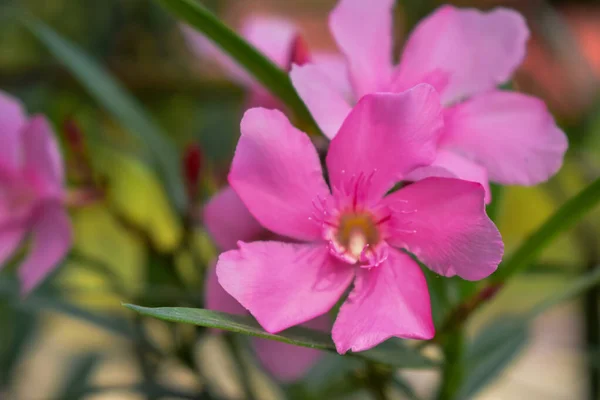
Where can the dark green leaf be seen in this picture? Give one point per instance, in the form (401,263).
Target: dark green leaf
(491,352)
(18,331)
(267,73)
(115,99)
(567,216)
(78,377)
(392,353)
(576,288)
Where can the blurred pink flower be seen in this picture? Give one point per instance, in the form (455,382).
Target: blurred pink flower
(31,193)
(353,233)
(228,220)
(489,134)
(279,40)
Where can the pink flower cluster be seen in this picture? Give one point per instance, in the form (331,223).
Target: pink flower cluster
(297,238)
(31,193)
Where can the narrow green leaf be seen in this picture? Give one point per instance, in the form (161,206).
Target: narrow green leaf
(38,302)
(567,216)
(81,367)
(392,354)
(491,352)
(259,66)
(116,100)
(576,288)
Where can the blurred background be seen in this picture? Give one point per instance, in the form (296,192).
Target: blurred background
(72,339)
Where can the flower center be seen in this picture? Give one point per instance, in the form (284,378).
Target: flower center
(354,234)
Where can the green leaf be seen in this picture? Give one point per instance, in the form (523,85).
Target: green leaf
(576,288)
(117,101)
(567,216)
(39,302)
(391,353)
(491,352)
(257,64)
(78,377)
(498,344)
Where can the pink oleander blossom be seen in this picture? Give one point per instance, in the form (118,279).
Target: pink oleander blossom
(354,232)
(282,42)
(489,134)
(228,221)
(31,193)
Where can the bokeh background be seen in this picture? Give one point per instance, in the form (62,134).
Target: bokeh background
(67,337)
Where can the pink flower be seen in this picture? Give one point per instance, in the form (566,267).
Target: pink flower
(503,136)
(354,232)
(31,193)
(228,220)
(279,40)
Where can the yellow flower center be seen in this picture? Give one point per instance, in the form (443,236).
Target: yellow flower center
(356,231)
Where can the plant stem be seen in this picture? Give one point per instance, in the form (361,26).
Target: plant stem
(453,371)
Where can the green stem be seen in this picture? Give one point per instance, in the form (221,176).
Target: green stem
(567,216)
(453,371)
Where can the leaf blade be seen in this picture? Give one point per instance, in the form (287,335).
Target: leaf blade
(299,336)
(118,102)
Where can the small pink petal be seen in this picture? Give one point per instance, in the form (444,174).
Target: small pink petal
(389,300)
(443,222)
(12,120)
(285,361)
(277,173)
(451,165)
(41,155)
(511,134)
(273,36)
(283,284)
(300,53)
(217,298)
(202,48)
(323,98)
(228,220)
(363,32)
(335,68)
(386,136)
(11,235)
(479,50)
(52,239)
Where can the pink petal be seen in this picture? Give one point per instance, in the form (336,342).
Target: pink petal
(443,222)
(451,165)
(202,48)
(287,362)
(385,137)
(41,154)
(274,37)
(363,32)
(11,235)
(283,284)
(335,68)
(12,120)
(218,299)
(389,300)
(277,173)
(52,239)
(228,220)
(479,50)
(322,96)
(511,134)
